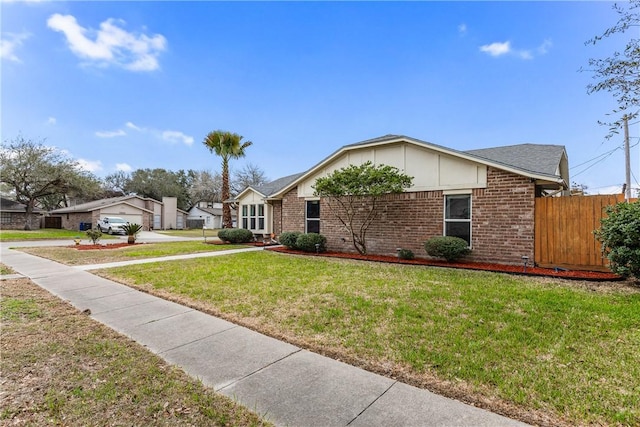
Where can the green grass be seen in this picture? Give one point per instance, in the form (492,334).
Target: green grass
(533,344)
(44,234)
(60,367)
(196,232)
(72,256)
(5,270)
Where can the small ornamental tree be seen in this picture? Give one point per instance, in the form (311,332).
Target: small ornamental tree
(619,234)
(353,192)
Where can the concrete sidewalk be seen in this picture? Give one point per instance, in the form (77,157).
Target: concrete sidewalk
(286,384)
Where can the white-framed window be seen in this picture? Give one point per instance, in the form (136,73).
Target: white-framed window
(253,217)
(457,216)
(5,217)
(312,216)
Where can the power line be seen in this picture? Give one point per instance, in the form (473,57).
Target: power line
(608,153)
(599,159)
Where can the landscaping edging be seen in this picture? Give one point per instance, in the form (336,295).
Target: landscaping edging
(595,276)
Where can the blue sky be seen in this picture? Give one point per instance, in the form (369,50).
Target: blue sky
(129,85)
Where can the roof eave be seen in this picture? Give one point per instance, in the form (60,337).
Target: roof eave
(470,157)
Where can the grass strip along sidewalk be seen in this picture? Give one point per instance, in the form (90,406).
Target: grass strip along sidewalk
(60,367)
(72,256)
(545,351)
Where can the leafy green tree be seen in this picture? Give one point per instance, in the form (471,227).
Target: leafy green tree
(228,146)
(619,74)
(619,234)
(35,172)
(158,183)
(81,187)
(352,194)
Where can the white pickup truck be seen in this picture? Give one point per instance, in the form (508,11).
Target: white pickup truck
(112,224)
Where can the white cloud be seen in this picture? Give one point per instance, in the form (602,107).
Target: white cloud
(176,137)
(90,165)
(544,47)
(132,126)
(9,43)
(52,121)
(171,136)
(123,167)
(462,29)
(496,49)
(110,133)
(110,45)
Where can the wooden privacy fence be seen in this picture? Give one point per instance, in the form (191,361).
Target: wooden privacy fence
(564,231)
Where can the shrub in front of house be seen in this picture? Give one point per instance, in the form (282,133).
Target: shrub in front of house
(406,254)
(94,234)
(307,242)
(447,247)
(235,235)
(222,234)
(289,238)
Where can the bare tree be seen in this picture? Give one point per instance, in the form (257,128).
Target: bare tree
(206,187)
(249,175)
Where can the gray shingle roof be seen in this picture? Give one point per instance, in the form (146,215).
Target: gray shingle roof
(8,205)
(537,158)
(89,206)
(212,211)
(277,185)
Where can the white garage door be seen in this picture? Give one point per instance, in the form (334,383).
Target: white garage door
(134,219)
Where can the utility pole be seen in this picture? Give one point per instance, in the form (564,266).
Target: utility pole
(627,159)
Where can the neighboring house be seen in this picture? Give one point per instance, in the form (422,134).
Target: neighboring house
(486,197)
(206,214)
(150,213)
(13,215)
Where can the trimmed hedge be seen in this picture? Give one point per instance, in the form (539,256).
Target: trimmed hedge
(289,238)
(307,242)
(235,235)
(447,247)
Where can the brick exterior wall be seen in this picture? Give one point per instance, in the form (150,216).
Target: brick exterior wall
(276,213)
(17,221)
(293,215)
(502,220)
(71,221)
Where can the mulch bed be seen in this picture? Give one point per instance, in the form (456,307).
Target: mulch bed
(484,266)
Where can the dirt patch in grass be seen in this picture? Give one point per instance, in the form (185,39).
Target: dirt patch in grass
(484,266)
(59,367)
(103,247)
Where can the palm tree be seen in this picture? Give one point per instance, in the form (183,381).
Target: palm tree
(228,146)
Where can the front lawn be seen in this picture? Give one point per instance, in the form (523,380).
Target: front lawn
(44,234)
(534,349)
(73,256)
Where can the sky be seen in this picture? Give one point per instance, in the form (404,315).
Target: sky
(130,85)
